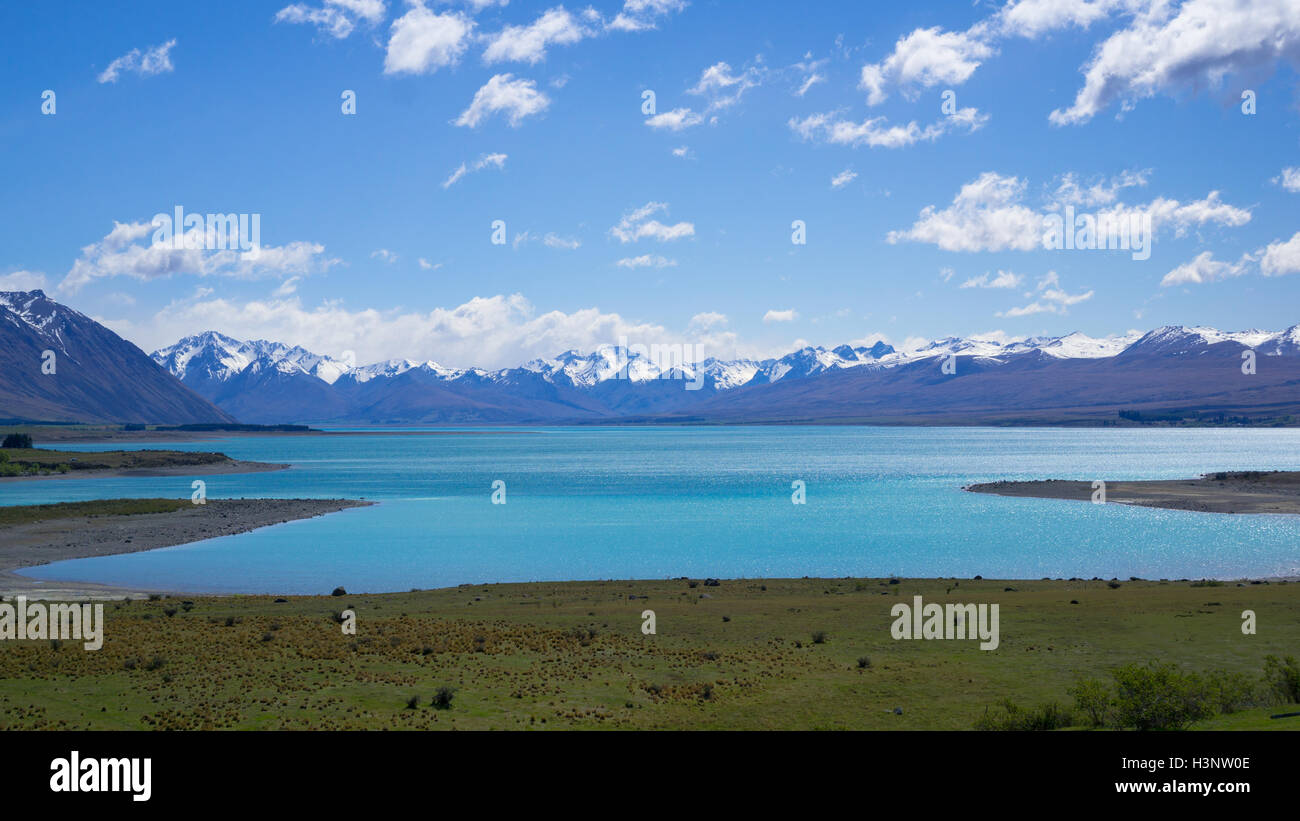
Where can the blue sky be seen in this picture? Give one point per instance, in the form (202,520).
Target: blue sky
(765,113)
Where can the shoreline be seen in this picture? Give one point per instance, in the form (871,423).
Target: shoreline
(1237,492)
(209,469)
(33,544)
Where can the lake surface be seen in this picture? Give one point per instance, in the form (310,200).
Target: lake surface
(594,503)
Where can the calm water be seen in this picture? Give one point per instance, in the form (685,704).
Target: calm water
(661,502)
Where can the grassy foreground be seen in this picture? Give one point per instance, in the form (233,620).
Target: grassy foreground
(739,655)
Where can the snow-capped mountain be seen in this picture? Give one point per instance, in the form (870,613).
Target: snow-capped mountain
(219,357)
(57,364)
(266,381)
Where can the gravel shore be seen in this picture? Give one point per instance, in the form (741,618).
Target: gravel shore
(1235,492)
(52,540)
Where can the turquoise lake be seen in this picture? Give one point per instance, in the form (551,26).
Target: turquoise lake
(600,503)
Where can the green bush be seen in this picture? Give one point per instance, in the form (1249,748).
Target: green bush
(1229,692)
(1160,696)
(1093,700)
(1282,677)
(442,697)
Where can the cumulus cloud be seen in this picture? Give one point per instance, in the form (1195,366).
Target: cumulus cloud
(123,252)
(636,225)
(22,281)
(497,161)
(513,98)
(923,59)
(335,18)
(1281,257)
(723,87)
(528,44)
(1071,191)
(1204,268)
(676,120)
(156,60)
(640,15)
(1289,179)
(421,41)
(874,132)
(988,214)
(490,332)
(1198,44)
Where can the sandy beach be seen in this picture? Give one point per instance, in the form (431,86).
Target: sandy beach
(1235,492)
(52,540)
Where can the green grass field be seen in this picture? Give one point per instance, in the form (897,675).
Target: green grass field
(572,655)
(18,461)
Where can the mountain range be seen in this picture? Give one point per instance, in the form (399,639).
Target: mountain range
(1073,378)
(1170,373)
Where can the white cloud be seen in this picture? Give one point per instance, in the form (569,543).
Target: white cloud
(385,255)
(988,214)
(156,60)
(22,281)
(925,58)
(810,72)
(429,266)
(724,87)
(1198,44)
(336,18)
(516,99)
(497,161)
(1290,179)
(682,151)
(1033,18)
(1204,268)
(120,253)
(646,261)
(675,120)
(1004,279)
(640,15)
(780,316)
(528,43)
(1051,299)
(1281,257)
(843,178)
(561,243)
(288,287)
(492,332)
(875,133)
(422,41)
(637,224)
(707,320)
(1070,191)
